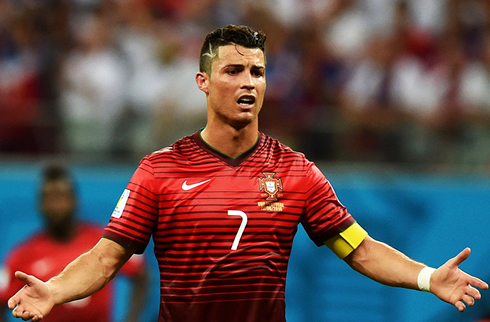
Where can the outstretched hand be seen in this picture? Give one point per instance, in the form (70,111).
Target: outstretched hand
(33,301)
(454,286)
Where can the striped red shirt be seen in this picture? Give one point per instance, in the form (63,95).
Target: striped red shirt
(223,228)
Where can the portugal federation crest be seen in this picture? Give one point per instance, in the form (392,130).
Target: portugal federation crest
(270,186)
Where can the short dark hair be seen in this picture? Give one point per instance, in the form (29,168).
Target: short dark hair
(53,172)
(229,35)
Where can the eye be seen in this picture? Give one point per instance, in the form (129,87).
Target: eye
(258,72)
(233,70)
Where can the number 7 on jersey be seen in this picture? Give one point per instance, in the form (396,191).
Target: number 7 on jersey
(242,226)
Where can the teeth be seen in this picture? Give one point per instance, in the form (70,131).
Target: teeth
(246,100)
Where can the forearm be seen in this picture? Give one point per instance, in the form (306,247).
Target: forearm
(88,273)
(385,264)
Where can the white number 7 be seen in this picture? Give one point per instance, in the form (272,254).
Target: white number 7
(242,226)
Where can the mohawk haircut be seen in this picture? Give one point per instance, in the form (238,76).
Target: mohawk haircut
(229,35)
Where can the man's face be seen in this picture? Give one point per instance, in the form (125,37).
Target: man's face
(58,202)
(236,86)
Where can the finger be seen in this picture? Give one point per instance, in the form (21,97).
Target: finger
(478,283)
(37,318)
(468,300)
(17,313)
(461,257)
(12,302)
(23,277)
(473,292)
(26,315)
(460,306)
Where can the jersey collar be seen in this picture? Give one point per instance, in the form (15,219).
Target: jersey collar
(234,162)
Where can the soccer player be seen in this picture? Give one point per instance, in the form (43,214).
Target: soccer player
(223,206)
(63,239)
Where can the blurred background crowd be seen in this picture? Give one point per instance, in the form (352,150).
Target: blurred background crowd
(399,82)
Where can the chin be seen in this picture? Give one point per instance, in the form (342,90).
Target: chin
(242,123)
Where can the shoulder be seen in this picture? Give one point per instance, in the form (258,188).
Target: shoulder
(181,148)
(90,229)
(31,245)
(282,152)
(164,161)
(182,145)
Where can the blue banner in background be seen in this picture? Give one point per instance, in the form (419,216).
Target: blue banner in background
(431,218)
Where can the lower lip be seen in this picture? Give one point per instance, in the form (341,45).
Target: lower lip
(246,106)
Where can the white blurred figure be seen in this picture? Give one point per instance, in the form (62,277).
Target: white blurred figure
(349,24)
(475,92)
(93,86)
(459,137)
(162,95)
(181,106)
(370,102)
(143,46)
(429,14)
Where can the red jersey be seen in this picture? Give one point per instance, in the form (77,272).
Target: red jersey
(223,228)
(44,257)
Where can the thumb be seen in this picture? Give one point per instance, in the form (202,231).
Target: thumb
(461,257)
(24,278)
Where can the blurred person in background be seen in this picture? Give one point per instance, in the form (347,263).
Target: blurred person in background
(442,91)
(93,83)
(476,95)
(27,100)
(223,206)
(162,102)
(376,123)
(144,46)
(63,239)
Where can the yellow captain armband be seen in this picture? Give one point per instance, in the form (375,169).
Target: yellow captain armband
(348,240)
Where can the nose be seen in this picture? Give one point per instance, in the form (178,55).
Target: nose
(248,81)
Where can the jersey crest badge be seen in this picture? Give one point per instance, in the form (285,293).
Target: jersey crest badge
(270,186)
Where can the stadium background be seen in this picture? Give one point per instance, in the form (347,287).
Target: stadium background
(390,97)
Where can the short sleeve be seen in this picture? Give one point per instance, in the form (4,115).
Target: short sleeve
(135,214)
(325,215)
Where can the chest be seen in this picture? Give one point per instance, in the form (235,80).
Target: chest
(230,209)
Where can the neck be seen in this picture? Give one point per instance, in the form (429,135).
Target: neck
(62,232)
(231,141)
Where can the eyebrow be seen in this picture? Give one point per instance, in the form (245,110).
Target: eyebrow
(241,65)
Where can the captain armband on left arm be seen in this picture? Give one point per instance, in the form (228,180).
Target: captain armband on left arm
(346,241)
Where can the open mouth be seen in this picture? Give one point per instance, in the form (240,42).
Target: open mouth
(246,100)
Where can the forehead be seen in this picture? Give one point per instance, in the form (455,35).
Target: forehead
(232,55)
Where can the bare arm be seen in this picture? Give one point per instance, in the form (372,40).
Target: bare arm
(388,266)
(384,264)
(84,276)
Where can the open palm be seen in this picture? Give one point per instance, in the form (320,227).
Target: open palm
(454,286)
(33,301)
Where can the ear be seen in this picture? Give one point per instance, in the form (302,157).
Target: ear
(202,80)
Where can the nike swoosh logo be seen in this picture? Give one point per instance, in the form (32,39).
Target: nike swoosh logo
(186,187)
